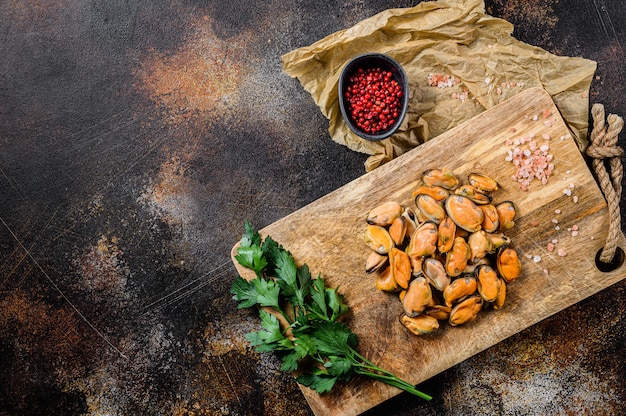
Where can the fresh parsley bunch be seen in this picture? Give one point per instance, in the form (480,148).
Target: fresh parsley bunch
(308,336)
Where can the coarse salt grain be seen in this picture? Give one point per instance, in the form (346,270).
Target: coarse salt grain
(557,211)
(537,259)
(561,252)
(575,199)
(574,233)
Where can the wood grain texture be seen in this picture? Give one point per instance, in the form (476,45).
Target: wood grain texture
(328,235)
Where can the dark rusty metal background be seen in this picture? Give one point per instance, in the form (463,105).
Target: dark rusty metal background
(136,138)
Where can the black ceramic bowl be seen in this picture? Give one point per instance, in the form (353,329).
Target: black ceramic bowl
(373,60)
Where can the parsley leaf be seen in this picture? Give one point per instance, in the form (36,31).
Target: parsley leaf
(334,338)
(318,295)
(318,380)
(272,338)
(255,292)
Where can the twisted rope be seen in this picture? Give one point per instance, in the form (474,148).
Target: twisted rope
(603,148)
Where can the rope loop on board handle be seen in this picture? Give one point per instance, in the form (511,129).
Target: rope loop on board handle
(605,152)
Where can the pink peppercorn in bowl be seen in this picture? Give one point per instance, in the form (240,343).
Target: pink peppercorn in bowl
(373,95)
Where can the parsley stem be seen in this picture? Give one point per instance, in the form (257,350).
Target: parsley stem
(372,370)
(393,381)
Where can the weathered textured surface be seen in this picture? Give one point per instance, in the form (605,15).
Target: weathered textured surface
(134,141)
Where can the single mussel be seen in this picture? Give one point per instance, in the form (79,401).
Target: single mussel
(397,230)
(417,297)
(385,213)
(459,288)
(482,182)
(375,262)
(471,267)
(436,274)
(400,266)
(444,178)
(411,220)
(458,257)
(378,239)
(423,241)
(499,302)
(506,215)
(473,194)
(499,240)
(488,283)
(430,208)
(465,311)
(465,213)
(508,264)
(437,192)
(480,245)
(420,324)
(491,219)
(386,282)
(439,312)
(447,233)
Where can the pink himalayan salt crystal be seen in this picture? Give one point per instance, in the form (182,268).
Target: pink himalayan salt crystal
(562,252)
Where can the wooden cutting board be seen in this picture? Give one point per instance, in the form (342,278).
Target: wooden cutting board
(328,235)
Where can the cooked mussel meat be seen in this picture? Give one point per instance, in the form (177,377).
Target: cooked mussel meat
(378,239)
(465,213)
(444,178)
(385,213)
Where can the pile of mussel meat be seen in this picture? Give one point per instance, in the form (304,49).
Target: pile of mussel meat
(448,257)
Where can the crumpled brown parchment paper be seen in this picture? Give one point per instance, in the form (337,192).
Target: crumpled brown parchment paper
(455,38)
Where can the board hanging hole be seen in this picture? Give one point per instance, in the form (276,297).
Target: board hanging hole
(616,262)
